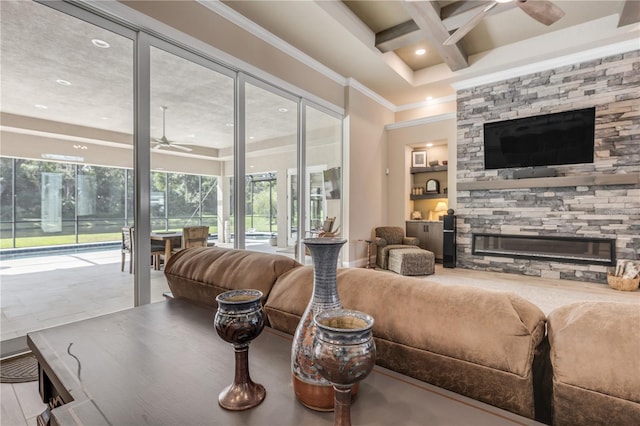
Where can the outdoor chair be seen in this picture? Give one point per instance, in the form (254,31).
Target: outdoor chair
(194,236)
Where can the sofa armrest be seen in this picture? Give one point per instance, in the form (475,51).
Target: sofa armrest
(410,241)
(380,242)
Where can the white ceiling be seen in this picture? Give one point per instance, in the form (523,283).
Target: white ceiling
(40,45)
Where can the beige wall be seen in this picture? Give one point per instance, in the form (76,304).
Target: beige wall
(366,158)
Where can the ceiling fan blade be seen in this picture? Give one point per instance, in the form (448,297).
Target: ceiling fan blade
(464,29)
(543,11)
(183,148)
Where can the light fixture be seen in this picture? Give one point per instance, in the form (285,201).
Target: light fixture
(251,138)
(191,135)
(229,124)
(104,118)
(281,109)
(429,98)
(100,43)
(429,145)
(80,147)
(40,106)
(421,52)
(62,82)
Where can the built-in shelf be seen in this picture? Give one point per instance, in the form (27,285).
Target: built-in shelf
(552,182)
(415,170)
(427,196)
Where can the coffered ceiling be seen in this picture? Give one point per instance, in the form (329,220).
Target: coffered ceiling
(375,42)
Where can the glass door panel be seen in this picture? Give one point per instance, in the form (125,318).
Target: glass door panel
(271,135)
(192,142)
(67,105)
(323,145)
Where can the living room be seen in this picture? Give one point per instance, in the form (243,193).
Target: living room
(380,136)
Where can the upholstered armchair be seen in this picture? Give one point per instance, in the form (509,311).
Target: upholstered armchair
(389,238)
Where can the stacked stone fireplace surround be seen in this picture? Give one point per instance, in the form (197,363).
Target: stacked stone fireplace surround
(594,209)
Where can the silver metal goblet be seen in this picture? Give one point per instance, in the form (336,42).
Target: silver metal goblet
(240,319)
(344,353)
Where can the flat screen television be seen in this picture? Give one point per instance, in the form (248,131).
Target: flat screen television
(543,140)
(332,183)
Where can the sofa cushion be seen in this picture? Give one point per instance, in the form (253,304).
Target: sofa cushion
(476,342)
(200,274)
(495,329)
(595,357)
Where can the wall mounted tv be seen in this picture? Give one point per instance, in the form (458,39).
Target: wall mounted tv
(543,140)
(332,183)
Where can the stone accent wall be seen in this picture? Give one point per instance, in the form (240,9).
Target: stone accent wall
(612,85)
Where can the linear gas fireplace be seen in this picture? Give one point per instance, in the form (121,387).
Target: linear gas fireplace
(595,251)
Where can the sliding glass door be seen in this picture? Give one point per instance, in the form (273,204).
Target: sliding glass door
(67,89)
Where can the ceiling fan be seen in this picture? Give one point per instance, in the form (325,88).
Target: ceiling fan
(163,142)
(543,11)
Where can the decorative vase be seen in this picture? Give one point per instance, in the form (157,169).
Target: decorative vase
(344,354)
(311,389)
(238,320)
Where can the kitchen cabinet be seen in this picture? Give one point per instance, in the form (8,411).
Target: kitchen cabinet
(430,234)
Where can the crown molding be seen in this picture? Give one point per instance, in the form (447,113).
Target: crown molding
(436,101)
(421,121)
(353,83)
(251,27)
(571,59)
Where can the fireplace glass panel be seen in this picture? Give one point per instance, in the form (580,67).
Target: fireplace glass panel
(562,249)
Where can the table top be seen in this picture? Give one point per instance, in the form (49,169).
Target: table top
(164,364)
(165,234)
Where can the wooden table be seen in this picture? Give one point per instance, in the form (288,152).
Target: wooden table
(171,239)
(164,364)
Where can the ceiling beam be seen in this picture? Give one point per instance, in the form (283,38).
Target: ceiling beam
(630,13)
(426,14)
(398,36)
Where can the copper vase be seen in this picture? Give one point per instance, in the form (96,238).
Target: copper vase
(311,389)
(344,354)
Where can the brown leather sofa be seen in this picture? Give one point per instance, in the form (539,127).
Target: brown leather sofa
(487,345)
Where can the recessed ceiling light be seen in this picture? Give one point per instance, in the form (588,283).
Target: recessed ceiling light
(40,106)
(251,138)
(429,145)
(63,82)
(421,51)
(80,147)
(251,167)
(429,98)
(104,118)
(282,110)
(229,124)
(100,43)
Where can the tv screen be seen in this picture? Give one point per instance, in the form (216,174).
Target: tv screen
(332,183)
(543,140)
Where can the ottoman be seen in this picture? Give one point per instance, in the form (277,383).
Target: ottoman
(411,261)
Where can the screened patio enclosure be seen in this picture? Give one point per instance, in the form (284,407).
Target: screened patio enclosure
(104,125)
